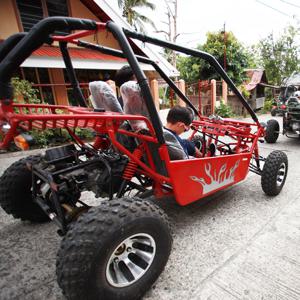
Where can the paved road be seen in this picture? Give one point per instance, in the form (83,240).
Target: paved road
(239,245)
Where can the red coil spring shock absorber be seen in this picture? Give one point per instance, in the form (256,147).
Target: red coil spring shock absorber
(132,165)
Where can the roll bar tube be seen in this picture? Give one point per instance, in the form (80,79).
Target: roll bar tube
(9,44)
(39,34)
(140,76)
(77,92)
(118,53)
(18,47)
(197,53)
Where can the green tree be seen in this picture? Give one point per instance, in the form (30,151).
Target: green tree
(237,59)
(189,68)
(130,12)
(279,57)
(24,89)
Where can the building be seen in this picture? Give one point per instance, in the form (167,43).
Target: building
(256,87)
(45,67)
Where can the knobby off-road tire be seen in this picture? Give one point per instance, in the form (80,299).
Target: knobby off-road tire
(15,191)
(90,261)
(274,173)
(272,131)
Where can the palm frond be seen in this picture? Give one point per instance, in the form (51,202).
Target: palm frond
(121,3)
(139,26)
(145,3)
(133,17)
(144,19)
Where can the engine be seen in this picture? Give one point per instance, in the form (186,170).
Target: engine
(73,171)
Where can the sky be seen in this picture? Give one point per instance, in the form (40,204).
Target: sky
(249,20)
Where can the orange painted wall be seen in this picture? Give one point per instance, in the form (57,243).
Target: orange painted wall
(78,10)
(8,20)
(9,23)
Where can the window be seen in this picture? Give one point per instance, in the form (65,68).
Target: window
(57,8)
(46,91)
(41,80)
(32,11)
(83,76)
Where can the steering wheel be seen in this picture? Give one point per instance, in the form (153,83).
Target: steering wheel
(198,141)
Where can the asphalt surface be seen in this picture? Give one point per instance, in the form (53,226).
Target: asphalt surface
(237,244)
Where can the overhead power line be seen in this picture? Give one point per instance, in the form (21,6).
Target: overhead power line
(271,7)
(289,3)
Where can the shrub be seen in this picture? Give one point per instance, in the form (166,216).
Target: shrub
(224,111)
(54,137)
(24,89)
(267,106)
(46,137)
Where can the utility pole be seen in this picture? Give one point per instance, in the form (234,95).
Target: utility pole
(225,42)
(175,32)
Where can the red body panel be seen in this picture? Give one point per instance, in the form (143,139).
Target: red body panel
(197,178)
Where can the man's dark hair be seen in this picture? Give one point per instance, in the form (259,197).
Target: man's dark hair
(123,75)
(180,114)
(106,76)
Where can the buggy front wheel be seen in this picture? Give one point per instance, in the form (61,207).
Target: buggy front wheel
(115,251)
(274,173)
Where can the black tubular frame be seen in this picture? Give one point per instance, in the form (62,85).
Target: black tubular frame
(140,76)
(77,92)
(197,53)
(36,37)
(19,47)
(9,44)
(142,59)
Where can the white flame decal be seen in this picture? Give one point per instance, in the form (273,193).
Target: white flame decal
(224,177)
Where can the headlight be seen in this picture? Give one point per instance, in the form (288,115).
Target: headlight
(5,127)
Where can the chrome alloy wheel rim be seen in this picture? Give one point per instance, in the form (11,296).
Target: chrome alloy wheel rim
(281,174)
(130,260)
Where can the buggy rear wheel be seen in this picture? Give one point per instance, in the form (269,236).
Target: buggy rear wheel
(15,191)
(272,131)
(274,173)
(115,251)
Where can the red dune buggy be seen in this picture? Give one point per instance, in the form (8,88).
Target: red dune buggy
(116,250)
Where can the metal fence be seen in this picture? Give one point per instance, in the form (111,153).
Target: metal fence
(201,95)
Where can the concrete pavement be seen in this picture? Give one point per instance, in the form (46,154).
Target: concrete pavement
(238,244)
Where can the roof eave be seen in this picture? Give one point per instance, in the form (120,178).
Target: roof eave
(157,58)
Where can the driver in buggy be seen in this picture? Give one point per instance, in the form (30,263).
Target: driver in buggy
(179,120)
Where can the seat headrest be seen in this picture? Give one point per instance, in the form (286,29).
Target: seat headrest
(134,103)
(103,96)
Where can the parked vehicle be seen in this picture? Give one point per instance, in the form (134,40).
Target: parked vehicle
(290,120)
(278,107)
(117,250)
(288,87)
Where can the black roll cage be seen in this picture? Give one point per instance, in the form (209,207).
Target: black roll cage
(18,47)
